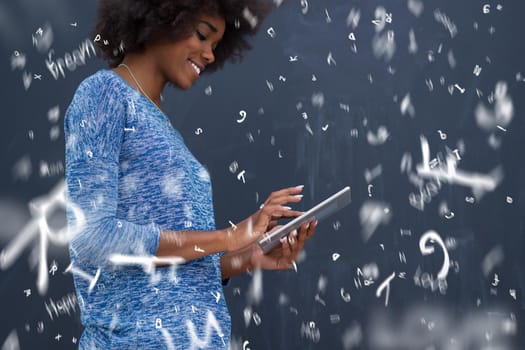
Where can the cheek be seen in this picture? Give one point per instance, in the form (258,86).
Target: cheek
(178,50)
(191,44)
(175,54)
(178,53)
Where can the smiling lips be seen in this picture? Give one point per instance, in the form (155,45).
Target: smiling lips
(195,67)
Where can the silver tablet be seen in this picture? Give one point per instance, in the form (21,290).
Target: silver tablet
(327,207)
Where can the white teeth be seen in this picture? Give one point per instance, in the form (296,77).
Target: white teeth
(196,68)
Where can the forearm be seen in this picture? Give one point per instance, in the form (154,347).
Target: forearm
(236,262)
(96,234)
(191,245)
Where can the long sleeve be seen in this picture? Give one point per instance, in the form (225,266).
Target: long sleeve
(94,129)
(130,174)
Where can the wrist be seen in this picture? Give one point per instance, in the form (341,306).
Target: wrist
(226,239)
(251,259)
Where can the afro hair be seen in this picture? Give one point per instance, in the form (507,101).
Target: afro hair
(127,26)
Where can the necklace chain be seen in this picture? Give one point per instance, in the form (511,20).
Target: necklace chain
(137,82)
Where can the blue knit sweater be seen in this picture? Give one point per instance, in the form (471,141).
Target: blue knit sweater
(129,175)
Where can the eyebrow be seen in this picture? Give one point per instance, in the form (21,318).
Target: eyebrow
(209,25)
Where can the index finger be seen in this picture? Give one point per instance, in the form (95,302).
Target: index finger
(286,191)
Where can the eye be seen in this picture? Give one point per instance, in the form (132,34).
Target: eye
(201,36)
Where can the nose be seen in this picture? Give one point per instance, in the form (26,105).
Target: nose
(208,54)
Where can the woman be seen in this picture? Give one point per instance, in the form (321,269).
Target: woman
(142,195)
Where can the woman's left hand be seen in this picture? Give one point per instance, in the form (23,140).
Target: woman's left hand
(284,256)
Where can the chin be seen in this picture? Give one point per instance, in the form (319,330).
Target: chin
(182,85)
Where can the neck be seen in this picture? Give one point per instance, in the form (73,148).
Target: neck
(148,80)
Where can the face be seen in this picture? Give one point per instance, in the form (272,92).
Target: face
(183,61)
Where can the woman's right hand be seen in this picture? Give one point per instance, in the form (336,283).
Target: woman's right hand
(273,209)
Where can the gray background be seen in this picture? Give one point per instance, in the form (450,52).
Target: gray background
(326,303)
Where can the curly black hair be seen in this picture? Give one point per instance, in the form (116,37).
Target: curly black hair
(127,26)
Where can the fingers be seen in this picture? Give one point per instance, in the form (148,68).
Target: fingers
(290,249)
(273,223)
(284,256)
(298,239)
(296,244)
(286,191)
(290,194)
(307,230)
(274,208)
(284,199)
(276,211)
(285,260)
(286,248)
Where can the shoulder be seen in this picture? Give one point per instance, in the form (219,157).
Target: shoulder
(101,91)
(99,98)
(101,83)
